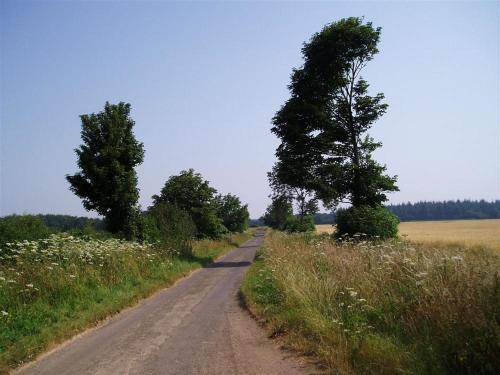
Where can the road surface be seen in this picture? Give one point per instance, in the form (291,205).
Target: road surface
(194,327)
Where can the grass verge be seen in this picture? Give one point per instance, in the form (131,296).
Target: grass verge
(380,308)
(52,289)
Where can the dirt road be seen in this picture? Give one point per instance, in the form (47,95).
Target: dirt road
(194,327)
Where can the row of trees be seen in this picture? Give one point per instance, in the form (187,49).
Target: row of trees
(187,206)
(211,214)
(325,152)
(65,223)
(448,210)
(280,211)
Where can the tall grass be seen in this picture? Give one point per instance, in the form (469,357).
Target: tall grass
(382,308)
(53,288)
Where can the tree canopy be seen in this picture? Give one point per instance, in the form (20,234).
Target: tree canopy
(234,215)
(325,150)
(212,214)
(107,181)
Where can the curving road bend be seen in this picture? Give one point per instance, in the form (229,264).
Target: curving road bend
(194,327)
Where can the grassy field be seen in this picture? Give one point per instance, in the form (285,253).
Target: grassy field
(54,288)
(380,308)
(467,232)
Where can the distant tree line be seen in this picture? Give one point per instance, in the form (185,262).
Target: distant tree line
(446,210)
(65,223)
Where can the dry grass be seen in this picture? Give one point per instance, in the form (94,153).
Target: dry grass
(468,232)
(382,308)
(325,228)
(464,232)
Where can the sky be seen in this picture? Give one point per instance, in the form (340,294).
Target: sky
(205,78)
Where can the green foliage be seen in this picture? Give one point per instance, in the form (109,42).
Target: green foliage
(299,224)
(171,226)
(448,210)
(22,227)
(234,215)
(373,222)
(56,287)
(189,192)
(324,147)
(107,181)
(278,212)
(64,223)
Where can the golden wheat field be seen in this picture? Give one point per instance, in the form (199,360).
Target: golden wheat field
(468,232)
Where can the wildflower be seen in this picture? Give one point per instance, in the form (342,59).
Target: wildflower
(4,313)
(352,293)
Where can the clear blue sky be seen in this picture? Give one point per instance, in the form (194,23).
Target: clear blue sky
(204,80)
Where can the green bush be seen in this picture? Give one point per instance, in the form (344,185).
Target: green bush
(169,225)
(22,227)
(373,222)
(297,224)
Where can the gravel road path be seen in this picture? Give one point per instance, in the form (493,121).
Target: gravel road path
(194,327)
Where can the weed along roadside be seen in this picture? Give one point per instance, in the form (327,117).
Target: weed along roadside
(381,307)
(55,288)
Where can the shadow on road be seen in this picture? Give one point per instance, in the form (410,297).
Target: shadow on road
(227,264)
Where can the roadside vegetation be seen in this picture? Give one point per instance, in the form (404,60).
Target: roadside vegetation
(380,307)
(61,274)
(53,288)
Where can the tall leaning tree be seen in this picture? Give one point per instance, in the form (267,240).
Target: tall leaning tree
(325,150)
(107,181)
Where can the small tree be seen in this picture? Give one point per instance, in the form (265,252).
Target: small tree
(170,226)
(107,181)
(234,215)
(189,192)
(278,212)
(22,227)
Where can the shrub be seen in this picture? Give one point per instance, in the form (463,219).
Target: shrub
(170,226)
(22,227)
(374,221)
(278,212)
(297,224)
(233,214)
(191,193)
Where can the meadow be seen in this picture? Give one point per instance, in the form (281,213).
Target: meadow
(466,232)
(380,307)
(53,288)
